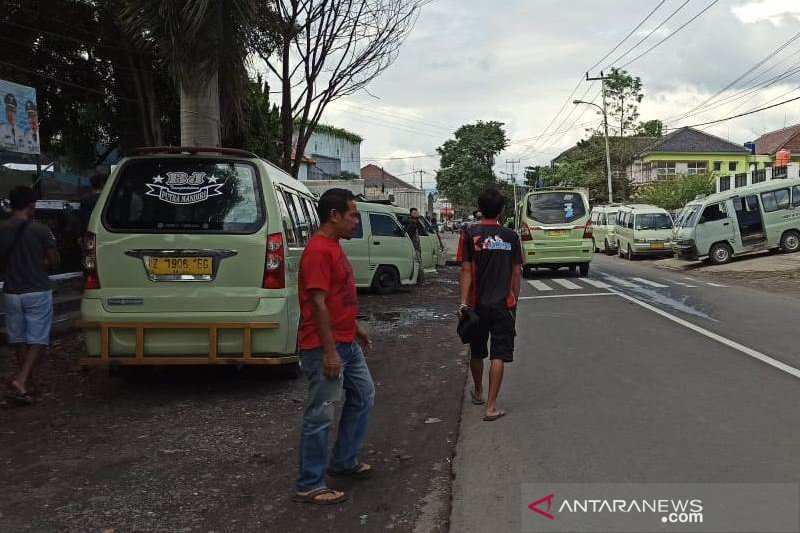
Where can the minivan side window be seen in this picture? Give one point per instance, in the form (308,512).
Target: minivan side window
(713,212)
(384,226)
(286,217)
(775,200)
(602,221)
(796,196)
(312,214)
(297,218)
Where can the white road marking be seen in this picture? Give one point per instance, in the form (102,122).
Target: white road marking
(715,284)
(574,295)
(713,336)
(684,284)
(566,284)
(595,283)
(539,285)
(650,283)
(620,281)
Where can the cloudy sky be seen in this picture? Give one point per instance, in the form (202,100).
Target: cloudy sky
(517,61)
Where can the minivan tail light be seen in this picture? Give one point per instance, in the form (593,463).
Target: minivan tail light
(525,232)
(588,230)
(91,279)
(275,263)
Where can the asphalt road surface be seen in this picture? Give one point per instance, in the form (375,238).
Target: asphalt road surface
(634,375)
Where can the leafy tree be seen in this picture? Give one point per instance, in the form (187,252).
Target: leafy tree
(260,132)
(623,94)
(467,162)
(204,46)
(651,128)
(674,193)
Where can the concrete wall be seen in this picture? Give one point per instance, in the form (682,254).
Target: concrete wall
(348,153)
(320,186)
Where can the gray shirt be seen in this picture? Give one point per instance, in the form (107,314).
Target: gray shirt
(25,269)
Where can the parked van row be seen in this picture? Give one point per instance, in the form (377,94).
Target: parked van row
(764,216)
(192,255)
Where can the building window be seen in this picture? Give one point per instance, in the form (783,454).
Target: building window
(725,183)
(717,166)
(697,167)
(665,168)
(732,166)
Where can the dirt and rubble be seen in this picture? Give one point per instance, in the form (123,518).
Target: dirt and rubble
(215,449)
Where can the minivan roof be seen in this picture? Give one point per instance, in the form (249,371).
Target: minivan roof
(749,189)
(643,207)
(376,208)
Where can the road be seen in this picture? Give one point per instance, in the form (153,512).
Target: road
(634,375)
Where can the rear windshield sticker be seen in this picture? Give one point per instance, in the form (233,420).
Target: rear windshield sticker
(181,188)
(569,211)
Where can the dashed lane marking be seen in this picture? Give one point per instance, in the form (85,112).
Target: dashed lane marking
(595,283)
(650,283)
(539,285)
(566,284)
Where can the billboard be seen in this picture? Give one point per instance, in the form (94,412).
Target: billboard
(19,123)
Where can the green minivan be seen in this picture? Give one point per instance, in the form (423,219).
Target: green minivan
(380,252)
(643,229)
(191,257)
(764,216)
(555,229)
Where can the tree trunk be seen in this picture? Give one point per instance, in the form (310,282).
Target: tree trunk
(200,114)
(287,122)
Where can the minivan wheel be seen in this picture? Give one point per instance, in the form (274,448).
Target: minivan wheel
(595,249)
(630,253)
(386,280)
(573,268)
(720,253)
(292,370)
(584,267)
(620,252)
(790,242)
(606,249)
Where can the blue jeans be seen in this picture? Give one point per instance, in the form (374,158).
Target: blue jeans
(323,394)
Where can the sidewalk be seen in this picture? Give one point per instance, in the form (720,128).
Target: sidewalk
(760,262)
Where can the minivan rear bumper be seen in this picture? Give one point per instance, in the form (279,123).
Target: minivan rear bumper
(263,336)
(557,252)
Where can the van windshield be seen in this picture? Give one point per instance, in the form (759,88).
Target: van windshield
(171,195)
(556,207)
(688,216)
(653,221)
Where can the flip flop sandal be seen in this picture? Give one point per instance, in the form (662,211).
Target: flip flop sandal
(492,418)
(476,400)
(360,471)
(311,497)
(26,399)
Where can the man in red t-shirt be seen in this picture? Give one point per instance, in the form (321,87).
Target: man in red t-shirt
(332,359)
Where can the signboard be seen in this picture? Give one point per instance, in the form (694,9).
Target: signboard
(19,121)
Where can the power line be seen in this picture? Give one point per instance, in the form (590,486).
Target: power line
(740,78)
(751,112)
(662,41)
(651,32)
(652,12)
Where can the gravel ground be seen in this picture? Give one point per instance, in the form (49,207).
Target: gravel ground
(214,449)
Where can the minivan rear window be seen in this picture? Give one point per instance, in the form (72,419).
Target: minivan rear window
(556,207)
(172,195)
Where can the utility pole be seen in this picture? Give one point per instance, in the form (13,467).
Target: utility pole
(603,79)
(514,163)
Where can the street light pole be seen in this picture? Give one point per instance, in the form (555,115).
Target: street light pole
(603,110)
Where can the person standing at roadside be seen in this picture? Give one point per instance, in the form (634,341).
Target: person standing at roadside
(332,359)
(491,272)
(412,228)
(27,248)
(97,181)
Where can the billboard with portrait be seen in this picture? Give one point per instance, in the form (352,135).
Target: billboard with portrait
(19,121)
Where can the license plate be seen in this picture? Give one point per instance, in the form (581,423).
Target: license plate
(179,266)
(557,232)
(657,246)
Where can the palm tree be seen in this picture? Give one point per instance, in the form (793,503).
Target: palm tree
(204,45)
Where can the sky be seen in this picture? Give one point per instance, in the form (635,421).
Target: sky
(518,61)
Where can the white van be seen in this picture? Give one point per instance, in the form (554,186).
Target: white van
(604,219)
(763,216)
(643,229)
(380,251)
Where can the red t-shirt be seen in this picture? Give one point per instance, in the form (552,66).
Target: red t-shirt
(325,267)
